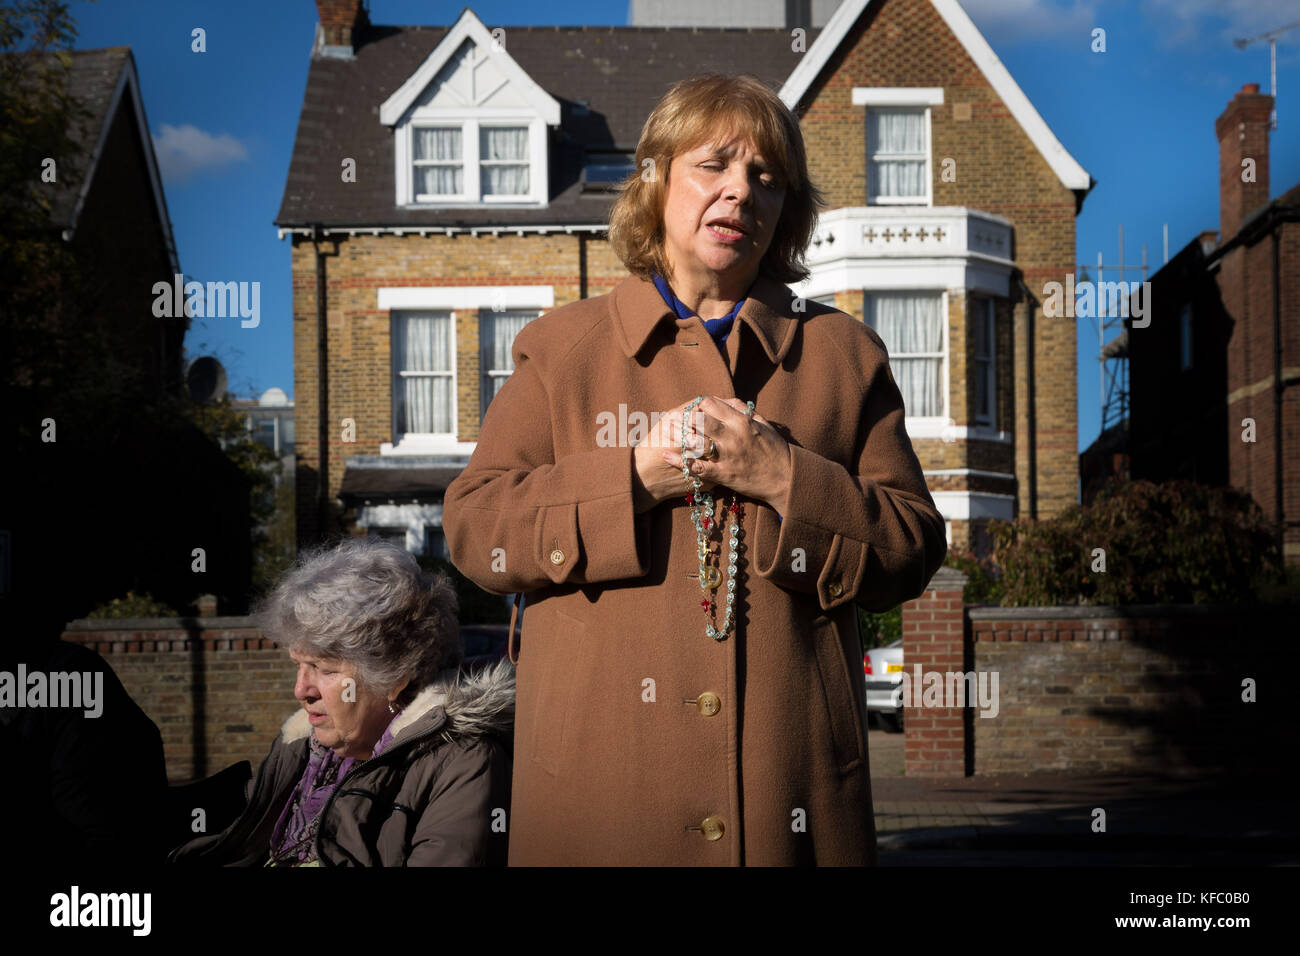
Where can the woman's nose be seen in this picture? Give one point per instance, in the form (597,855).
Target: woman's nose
(301,688)
(738,187)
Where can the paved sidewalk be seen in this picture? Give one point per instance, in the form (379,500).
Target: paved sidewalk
(1046,818)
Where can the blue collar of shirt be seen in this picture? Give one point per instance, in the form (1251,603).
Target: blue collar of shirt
(719,329)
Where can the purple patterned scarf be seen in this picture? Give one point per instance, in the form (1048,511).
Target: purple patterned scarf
(293,841)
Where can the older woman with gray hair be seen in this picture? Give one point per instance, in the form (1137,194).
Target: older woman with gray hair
(396,758)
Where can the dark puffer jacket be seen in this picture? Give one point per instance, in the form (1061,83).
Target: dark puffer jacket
(438,795)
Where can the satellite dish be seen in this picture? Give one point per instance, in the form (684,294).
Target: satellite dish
(205,379)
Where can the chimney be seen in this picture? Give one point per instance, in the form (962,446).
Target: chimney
(1242,130)
(341,21)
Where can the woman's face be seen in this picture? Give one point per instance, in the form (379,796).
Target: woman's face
(720,213)
(344,715)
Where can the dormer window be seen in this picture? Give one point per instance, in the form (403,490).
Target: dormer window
(470,126)
(440,156)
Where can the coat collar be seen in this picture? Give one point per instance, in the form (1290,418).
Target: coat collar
(638,308)
(473,704)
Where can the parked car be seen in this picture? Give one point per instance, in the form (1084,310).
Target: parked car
(883,667)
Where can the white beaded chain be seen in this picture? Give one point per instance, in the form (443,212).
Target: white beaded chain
(702,501)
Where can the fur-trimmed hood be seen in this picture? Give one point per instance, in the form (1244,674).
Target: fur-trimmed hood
(476,704)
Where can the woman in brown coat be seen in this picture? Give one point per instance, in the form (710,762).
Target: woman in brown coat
(689,693)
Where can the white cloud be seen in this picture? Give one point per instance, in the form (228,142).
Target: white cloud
(1221,21)
(1014,21)
(186,150)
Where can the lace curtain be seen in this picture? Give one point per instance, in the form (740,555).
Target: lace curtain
(902,134)
(498,147)
(422,380)
(498,330)
(439,146)
(911,324)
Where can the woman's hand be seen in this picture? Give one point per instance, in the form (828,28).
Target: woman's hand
(752,457)
(659,463)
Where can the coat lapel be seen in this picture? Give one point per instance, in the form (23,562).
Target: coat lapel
(768,312)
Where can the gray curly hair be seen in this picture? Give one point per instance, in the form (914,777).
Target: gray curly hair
(367,602)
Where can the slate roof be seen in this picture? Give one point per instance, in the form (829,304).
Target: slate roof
(91,80)
(620,71)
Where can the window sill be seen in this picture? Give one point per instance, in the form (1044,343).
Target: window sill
(427,445)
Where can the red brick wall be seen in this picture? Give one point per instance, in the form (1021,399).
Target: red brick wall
(218,690)
(1246,284)
(1096,689)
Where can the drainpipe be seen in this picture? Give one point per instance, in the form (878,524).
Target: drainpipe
(1278,388)
(1031,403)
(322,392)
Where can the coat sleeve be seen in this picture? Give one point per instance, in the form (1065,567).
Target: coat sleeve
(470,797)
(516,520)
(870,535)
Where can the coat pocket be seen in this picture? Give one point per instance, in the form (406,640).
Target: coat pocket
(555,649)
(842,710)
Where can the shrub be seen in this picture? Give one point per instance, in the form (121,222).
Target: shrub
(983,583)
(1172,543)
(133,605)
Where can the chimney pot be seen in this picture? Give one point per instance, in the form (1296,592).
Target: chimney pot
(1250,87)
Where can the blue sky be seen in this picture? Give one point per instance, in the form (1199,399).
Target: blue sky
(1139,117)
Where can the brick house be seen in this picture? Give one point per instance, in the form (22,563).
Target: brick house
(449,184)
(1223,347)
(107,372)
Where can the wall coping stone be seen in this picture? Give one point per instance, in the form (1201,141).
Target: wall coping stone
(1083,612)
(159,624)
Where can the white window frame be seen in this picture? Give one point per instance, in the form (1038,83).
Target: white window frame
(410,440)
(470,122)
(460,300)
(924,200)
(987,306)
(487,374)
(921,426)
(899,99)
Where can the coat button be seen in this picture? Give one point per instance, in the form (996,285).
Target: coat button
(712,828)
(557,556)
(835,589)
(708,703)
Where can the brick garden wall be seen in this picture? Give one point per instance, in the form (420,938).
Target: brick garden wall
(1152,689)
(216,688)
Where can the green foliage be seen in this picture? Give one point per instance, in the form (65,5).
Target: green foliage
(1172,543)
(270,505)
(476,605)
(1279,585)
(132,606)
(879,628)
(276,547)
(983,584)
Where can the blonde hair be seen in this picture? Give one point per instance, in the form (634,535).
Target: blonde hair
(694,112)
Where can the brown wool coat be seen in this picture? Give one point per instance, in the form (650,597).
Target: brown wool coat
(604,774)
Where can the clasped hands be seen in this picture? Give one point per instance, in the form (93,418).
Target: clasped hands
(750,457)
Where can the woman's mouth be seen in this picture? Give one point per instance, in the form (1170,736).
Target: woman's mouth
(315,718)
(725,233)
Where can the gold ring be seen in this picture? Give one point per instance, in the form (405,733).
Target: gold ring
(712,453)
